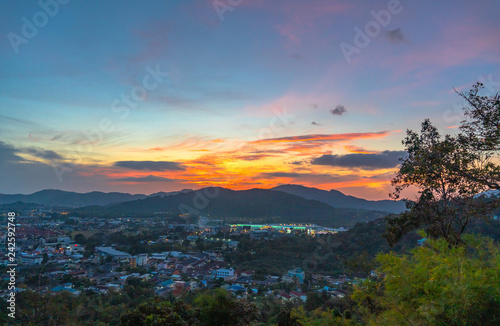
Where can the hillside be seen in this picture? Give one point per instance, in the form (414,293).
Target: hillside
(266,205)
(337,199)
(70,199)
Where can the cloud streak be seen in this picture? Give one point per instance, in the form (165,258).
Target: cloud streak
(325,137)
(382,160)
(149,178)
(158,166)
(41,153)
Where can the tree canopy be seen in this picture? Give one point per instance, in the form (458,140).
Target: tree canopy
(435,285)
(451,173)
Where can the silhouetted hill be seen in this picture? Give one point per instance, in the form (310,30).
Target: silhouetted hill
(20,206)
(337,199)
(70,199)
(270,205)
(163,193)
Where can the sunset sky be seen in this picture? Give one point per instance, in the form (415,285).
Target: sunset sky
(147,96)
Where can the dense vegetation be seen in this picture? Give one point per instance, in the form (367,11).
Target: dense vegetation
(348,253)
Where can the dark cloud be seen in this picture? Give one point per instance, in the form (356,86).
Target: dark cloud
(297,57)
(150,165)
(7,153)
(339,110)
(296,162)
(382,160)
(149,178)
(315,123)
(314,105)
(396,36)
(313,177)
(41,153)
(284,175)
(19,175)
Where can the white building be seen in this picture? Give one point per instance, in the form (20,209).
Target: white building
(108,251)
(31,259)
(64,240)
(202,221)
(224,272)
(141,260)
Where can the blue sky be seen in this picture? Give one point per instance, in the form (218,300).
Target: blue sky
(268,70)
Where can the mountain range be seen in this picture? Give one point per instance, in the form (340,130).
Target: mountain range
(288,203)
(335,198)
(51,197)
(62,198)
(261,205)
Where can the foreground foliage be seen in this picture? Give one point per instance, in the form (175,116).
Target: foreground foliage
(435,284)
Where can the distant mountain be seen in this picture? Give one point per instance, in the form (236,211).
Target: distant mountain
(263,204)
(163,194)
(70,199)
(337,199)
(20,206)
(290,203)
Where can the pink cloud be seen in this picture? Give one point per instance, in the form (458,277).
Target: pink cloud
(456,44)
(301,17)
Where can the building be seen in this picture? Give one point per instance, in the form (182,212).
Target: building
(64,240)
(31,259)
(224,272)
(293,274)
(202,221)
(108,251)
(298,295)
(139,260)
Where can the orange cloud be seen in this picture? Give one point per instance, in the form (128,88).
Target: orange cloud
(359,150)
(324,137)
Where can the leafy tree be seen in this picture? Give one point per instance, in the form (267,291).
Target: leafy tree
(314,301)
(160,313)
(480,135)
(80,239)
(220,309)
(210,308)
(449,173)
(200,245)
(319,317)
(288,316)
(45,258)
(436,284)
